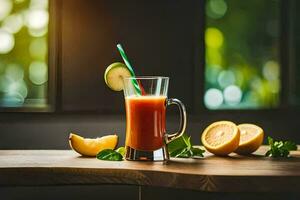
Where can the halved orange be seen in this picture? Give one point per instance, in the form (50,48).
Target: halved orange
(221,138)
(251,138)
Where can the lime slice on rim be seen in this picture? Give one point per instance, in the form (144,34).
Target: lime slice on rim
(114,75)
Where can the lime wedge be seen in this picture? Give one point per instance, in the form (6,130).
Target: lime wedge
(114,75)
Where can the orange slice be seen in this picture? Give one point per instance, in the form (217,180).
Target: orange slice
(252,137)
(221,138)
(91,147)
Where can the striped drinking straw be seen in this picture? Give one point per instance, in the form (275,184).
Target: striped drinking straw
(129,66)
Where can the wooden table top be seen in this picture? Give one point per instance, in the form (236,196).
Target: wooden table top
(255,173)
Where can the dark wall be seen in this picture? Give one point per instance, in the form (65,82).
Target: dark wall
(158,37)
(50,131)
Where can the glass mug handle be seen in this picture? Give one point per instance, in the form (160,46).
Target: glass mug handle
(182,112)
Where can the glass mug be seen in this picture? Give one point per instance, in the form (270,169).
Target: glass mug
(146,137)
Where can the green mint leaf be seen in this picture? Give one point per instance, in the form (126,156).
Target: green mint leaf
(187,141)
(289,145)
(270,141)
(121,150)
(183,148)
(278,144)
(280,148)
(197,152)
(276,152)
(178,144)
(185,154)
(284,152)
(177,153)
(109,154)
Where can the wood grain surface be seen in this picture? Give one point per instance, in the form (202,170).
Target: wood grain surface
(234,173)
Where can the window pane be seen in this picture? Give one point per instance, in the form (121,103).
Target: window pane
(242,54)
(23,53)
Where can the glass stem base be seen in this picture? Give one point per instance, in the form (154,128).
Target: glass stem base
(138,155)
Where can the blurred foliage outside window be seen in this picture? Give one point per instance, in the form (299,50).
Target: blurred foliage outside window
(242,54)
(23,53)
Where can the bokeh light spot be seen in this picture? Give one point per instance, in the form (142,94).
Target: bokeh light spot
(271,70)
(213,37)
(216,9)
(38,4)
(232,95)
(18,87)
(226,78)
(38,48)
(13,23)
(37,19)
(7,42)
(38,72)
(14,72)
(213,98)
(5,8)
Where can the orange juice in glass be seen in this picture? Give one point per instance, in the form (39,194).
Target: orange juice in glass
(146,137)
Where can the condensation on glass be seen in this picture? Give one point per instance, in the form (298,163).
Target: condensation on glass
(23,53)
(242,67)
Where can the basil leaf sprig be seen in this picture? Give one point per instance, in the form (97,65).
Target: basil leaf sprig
(111,155)
(183,148)
(280,148)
